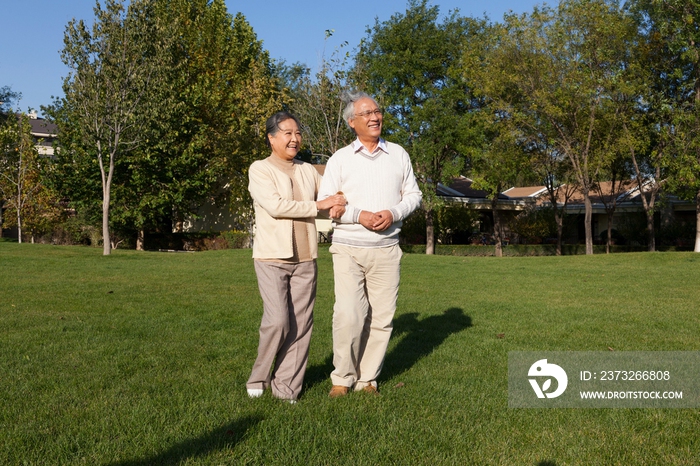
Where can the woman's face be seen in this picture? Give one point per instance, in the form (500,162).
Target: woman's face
(286,142)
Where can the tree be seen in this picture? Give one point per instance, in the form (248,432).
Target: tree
(211,87)
(7,96)
(497,164)
(220,87)
(610,193)
(672,35)
(317,101)
(559,180)
(646,127)
(20,175)
(107,92)
(411,63)
(548,77)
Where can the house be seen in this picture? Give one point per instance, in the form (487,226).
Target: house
(44,133)
(628,215)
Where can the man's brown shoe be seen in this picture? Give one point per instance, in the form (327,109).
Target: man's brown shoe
(337,391)
(371,389)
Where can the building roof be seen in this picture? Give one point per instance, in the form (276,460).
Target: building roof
(601,193)
(525,192)
(462,187)
(42,128)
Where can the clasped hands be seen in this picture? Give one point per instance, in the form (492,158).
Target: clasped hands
(376,221)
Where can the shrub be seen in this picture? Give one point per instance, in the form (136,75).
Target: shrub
(236,239)
(534,224)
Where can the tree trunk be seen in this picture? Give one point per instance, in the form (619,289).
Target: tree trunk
(498,248)
(106,195)
(587,223)
(609,240)
(1,204)
(560,231)
(19,219)
(106,243)
(651,243)
(140,239)
(697,222)
(429,232)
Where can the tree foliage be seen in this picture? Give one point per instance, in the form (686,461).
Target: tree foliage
(220,88)
(412,64)
(173,119)
(111,89)
(30,205)
(548,79)
(317,101)
(7,97)
(673,37)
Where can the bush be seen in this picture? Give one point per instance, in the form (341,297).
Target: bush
(74,231)
(413,228)
(453,224)
(616,236)
(236,239)
(534,224)
(198,241)
(676,233)
(516,250)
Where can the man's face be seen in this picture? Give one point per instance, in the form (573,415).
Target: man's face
(367,119)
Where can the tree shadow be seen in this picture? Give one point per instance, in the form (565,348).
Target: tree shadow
(546,463)
(226,436)
(420,338)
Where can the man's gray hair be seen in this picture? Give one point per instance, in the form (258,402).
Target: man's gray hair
(350,97)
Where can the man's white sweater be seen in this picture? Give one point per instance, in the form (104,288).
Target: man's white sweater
(383,180)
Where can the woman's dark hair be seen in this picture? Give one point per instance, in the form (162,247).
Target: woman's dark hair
(273,124)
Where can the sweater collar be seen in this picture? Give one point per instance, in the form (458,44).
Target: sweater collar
(357,146)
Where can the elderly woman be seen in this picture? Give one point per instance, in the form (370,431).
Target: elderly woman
(284,251)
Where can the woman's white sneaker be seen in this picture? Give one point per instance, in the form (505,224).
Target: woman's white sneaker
(255,392)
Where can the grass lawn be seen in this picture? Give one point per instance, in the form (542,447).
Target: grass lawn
(142,358)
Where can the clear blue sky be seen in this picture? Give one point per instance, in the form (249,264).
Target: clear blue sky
(31,35)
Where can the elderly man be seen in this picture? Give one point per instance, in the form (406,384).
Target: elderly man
(377,180)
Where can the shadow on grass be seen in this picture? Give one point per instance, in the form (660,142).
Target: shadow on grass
(226,436)
(546,463)
(318,373)
(420,338)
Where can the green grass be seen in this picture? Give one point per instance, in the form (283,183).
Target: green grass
(142,358)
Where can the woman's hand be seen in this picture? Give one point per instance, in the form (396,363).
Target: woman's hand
(337,200)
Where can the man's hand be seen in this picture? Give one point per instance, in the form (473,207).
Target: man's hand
(336,211)
(366,219)
(382,220)
(378,221)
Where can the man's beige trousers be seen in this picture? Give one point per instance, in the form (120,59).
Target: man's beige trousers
(366,288)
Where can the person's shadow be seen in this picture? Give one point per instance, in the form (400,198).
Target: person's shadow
(420,338)
(226,436)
